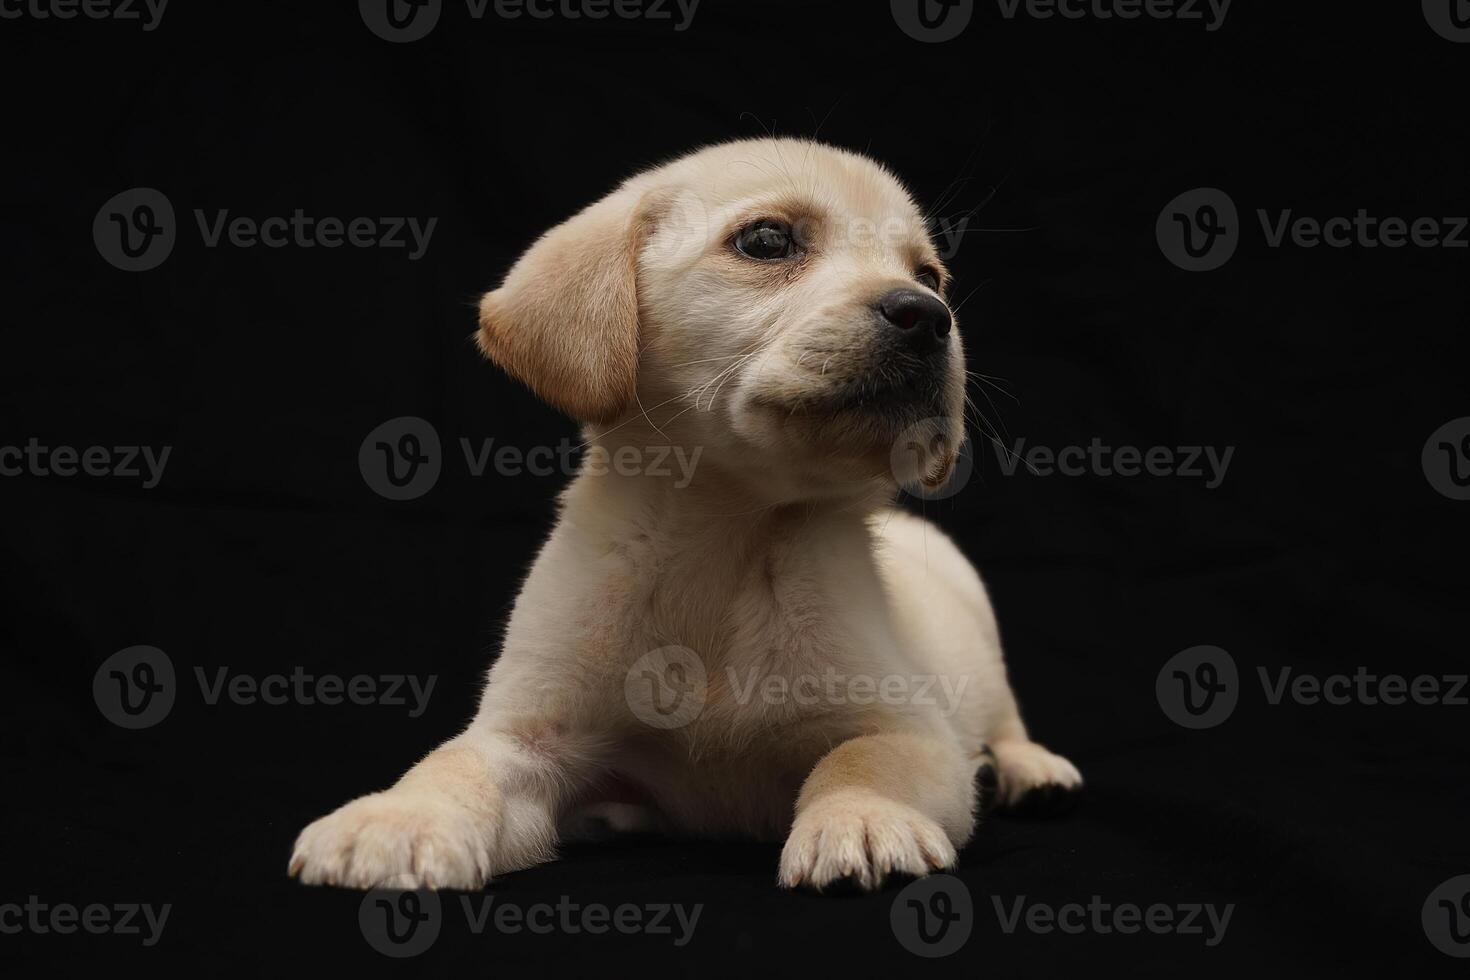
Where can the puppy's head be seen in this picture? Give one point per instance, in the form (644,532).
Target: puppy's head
(776,302)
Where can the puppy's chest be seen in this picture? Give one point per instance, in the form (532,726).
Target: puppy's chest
(765,703)
(756,672)
(777,647)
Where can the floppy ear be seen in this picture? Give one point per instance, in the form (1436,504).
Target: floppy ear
(565,320)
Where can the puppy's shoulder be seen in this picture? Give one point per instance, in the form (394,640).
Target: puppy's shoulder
(908,545)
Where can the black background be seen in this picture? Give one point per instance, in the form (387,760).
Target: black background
(262,549)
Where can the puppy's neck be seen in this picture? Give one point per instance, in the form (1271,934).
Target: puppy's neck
(636,482)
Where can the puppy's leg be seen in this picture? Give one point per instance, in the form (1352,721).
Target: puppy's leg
(879,804)
(481,804)
(1033,781)
(942,610)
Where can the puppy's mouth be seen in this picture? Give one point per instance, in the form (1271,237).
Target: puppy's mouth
(893,388)
(884,414)
(899,398)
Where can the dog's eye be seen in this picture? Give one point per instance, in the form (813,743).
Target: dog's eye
(929,278)
(766,240)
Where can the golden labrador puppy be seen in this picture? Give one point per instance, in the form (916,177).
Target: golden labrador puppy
(765,648)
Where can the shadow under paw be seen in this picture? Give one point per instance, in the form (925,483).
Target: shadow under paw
(1046,800)
(987,783)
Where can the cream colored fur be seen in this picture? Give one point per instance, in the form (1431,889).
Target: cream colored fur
(781,559)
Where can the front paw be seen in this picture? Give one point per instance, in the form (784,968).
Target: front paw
(861,837)
(417,839)
(1034,781)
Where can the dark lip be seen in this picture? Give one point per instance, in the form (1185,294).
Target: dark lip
(899,387)
(903,382)
(896,400)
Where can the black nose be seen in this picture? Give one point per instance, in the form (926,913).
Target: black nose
(921,319)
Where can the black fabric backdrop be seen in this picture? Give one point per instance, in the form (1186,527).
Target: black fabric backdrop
(1326,548)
